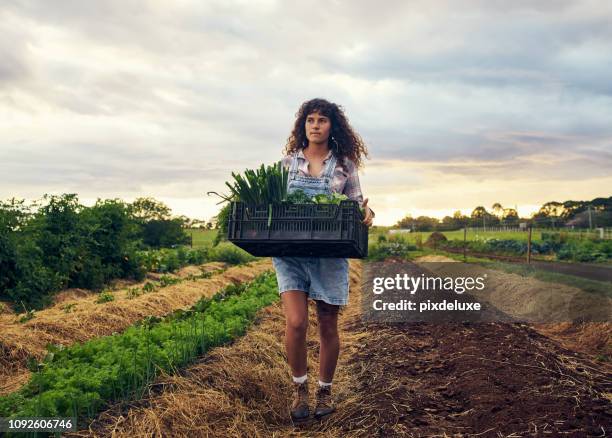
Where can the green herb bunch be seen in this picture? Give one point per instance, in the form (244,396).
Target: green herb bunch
(266,185)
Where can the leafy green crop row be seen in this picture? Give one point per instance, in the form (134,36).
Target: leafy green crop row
(169,260)
(381,250)
(572,249)
(79,380)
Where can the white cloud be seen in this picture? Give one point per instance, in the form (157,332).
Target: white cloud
(116,99)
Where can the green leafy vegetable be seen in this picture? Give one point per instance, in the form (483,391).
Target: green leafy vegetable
(334,198)
(266,185)
(298,197)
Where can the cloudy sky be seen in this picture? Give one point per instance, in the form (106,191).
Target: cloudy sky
(461,103)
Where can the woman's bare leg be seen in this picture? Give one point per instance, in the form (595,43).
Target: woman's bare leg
(330,341)
(295,305)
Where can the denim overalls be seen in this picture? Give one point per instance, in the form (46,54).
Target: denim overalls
(322,278)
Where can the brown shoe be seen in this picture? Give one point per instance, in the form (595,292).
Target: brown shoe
(325,404)
(299,408)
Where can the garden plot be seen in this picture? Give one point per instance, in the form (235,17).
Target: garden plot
(411,379)
(84,318)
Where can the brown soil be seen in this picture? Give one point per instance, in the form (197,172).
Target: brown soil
(489,379)
(411,380)
(87,319)
(435,239)
(517,295)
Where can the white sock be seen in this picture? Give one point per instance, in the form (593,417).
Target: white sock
(300,379)
(323,384)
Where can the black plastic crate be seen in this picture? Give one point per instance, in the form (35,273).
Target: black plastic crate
(317,230)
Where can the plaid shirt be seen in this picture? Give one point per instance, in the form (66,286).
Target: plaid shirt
(343,181)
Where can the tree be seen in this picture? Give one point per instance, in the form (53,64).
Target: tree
(510,217)
(405,223)
(480,217)
(426,223)
(498,210)
(460,219)
(147,209)
(187,222)
(164,233)
(550,209)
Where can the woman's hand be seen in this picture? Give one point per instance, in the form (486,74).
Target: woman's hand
(368,213)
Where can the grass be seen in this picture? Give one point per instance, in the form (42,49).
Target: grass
(202,237)
(536,234)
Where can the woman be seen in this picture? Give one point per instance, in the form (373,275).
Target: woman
(323,154)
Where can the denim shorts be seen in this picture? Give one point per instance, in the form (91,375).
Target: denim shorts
(322,278)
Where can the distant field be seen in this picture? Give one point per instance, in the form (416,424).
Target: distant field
(202,237)
(536,235)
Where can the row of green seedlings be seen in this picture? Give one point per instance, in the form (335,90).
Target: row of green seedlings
(107,295)
(170,259)
(79,380)
(148,287)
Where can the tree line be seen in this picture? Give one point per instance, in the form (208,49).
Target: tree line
(581,214)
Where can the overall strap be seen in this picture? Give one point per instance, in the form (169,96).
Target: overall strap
(294,164)
(329,169)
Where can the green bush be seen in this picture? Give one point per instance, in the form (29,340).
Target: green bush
(158,233)
(229,253)
(166,280)
(383,250)
(64,244)
(169,260)
(105,297)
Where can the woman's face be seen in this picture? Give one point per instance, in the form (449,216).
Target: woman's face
(317,127)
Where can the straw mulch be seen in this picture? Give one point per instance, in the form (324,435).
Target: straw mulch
(411,379)
(87,319)
(238,390)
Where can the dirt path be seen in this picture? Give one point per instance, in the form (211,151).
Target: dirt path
(87,319)
(411,379)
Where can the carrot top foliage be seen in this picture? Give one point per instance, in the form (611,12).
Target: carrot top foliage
(77,381)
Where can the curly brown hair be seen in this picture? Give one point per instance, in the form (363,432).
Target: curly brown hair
(347,144)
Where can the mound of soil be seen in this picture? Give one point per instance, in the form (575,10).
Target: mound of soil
(528,297)
(493,379)
(435,239)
